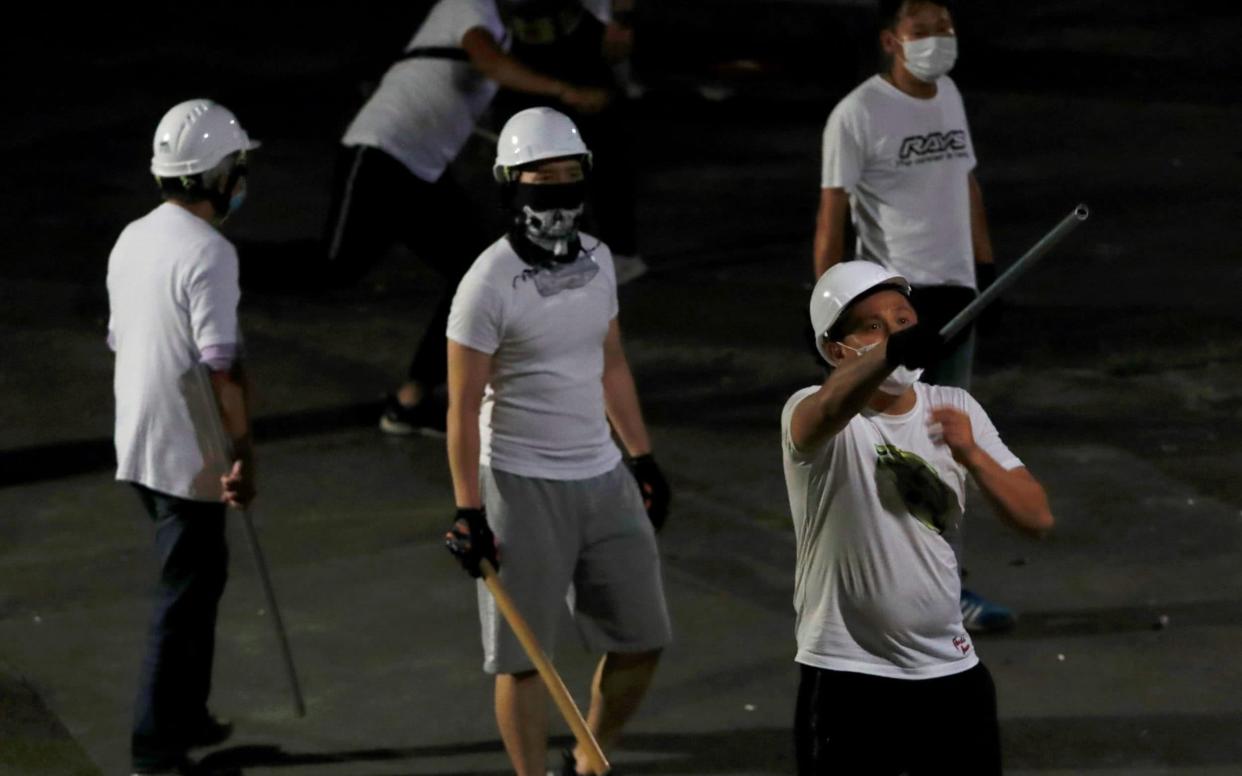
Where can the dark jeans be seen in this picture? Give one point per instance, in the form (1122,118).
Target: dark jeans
(860,725)
(378,202)
(175,678)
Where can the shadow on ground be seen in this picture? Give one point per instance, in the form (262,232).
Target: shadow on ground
(1083,744)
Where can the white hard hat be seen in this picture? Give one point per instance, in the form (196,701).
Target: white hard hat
(536,134)
(194,137)
(842,284)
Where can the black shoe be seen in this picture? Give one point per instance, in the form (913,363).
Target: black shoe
(426,418)
(213,731)
(568,764)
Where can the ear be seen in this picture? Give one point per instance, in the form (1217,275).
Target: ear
(835,352)
(890,43)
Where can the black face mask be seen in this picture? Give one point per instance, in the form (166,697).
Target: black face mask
(547,215)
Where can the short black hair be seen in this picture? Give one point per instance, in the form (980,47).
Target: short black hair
(891,10)
(836,332)
(187,190)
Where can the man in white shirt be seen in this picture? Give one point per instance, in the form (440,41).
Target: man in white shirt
(876,465)
(898,161)
(173,293)
(391,183)
(536,374)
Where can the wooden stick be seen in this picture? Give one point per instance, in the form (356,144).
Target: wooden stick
(551,679)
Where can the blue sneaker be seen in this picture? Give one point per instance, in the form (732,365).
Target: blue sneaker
(979,615)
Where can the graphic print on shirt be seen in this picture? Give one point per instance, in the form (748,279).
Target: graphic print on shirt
(550,280)
(933,147)
(927,496)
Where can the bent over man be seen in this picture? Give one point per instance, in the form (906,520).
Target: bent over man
(536,373)
(876,465)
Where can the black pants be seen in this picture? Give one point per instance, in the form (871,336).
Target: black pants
(860,725)
(378,202)
(175,678)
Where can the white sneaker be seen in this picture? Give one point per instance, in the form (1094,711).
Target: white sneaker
(628,268)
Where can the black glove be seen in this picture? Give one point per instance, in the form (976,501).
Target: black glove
(471,540)
(653,488)
(916,347)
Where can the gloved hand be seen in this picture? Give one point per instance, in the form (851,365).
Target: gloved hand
(471,540)
(915,347)
(653,487)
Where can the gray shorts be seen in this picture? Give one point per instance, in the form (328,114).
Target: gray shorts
(582,545)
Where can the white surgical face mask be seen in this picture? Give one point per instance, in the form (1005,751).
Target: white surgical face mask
(898,380)
(929,58)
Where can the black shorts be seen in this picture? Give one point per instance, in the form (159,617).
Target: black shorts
(861,725)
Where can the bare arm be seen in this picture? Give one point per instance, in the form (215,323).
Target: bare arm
(829,248)
(621,396)
(1015,494)
(232,391)
(843,395)
(491,60)
(468,373)
(980,240)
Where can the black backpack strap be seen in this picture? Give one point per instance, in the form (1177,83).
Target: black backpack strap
(435,52)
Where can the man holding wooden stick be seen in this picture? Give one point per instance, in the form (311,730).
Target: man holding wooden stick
(536,374)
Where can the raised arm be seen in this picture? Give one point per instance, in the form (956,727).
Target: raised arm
(854,381)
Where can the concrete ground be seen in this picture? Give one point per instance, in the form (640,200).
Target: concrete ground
(1113,372)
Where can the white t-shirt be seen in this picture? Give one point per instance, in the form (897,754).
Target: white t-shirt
(425,108)
(543,409)
(600,9)
(904,162)
(876,588)
(172,291)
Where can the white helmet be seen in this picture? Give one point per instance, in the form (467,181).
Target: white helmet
(195,136)
(841,285)
(536,134)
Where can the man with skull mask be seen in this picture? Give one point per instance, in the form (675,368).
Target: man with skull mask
(898,161)
(536,373)
(876,465)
